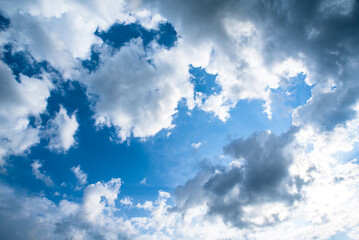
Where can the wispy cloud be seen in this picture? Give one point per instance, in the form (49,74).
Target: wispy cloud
(144,181)
(80,175)
(36,165)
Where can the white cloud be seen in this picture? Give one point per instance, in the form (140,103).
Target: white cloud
(126,201)
(36,165)
(61,130)
(148,19)
(62,32)
(137,92)
(196,145)
(144,181)
(219,105)
(80,175)
(147,205)
(19,101)
(95,216)
(93,205)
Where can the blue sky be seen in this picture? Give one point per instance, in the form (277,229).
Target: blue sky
(157,120)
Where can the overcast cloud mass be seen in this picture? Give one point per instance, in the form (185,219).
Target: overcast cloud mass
(206,119)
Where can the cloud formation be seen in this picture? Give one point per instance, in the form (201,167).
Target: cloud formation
(18,102)
(137,90)
(36,165)
(250,40)
(80,175)
(61,130)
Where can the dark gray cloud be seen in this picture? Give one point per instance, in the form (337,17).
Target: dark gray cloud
(260,176)
(326,33)
(265,163)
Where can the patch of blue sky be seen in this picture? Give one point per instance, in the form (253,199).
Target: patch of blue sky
(339,236)
(166,35)
(296,94)
(204,82)
(22,62)
(94,61)
(347,156)
(120,34)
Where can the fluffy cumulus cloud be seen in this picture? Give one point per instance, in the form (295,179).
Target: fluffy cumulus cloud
(137,88)
(138,92)
(302,184)
(61,130)
(20,100)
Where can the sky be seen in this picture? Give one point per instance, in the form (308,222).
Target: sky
(131,119)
